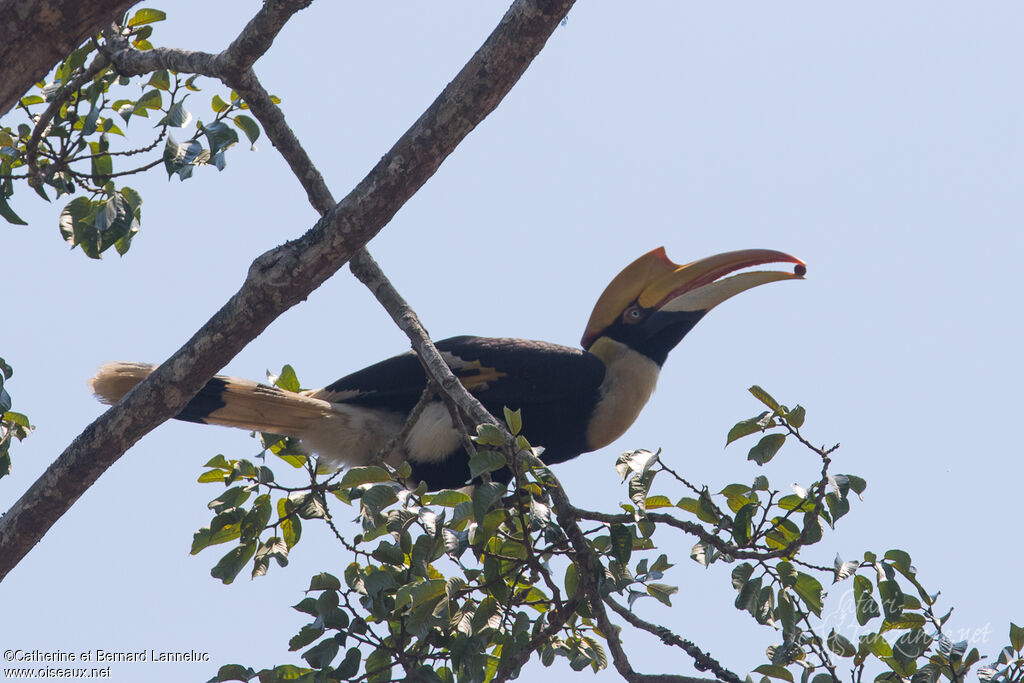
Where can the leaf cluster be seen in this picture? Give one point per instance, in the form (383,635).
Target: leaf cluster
(72,139)
(13,425)
(460,585)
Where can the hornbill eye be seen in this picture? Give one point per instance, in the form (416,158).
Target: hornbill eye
(633,314)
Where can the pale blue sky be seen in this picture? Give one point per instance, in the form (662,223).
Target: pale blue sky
(879,142)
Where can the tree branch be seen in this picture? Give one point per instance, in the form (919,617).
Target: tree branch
(703,661)
(258,35)
(286,275)
(37,34)
(35,178)
(590,572)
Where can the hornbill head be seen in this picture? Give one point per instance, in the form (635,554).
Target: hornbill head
(653,303)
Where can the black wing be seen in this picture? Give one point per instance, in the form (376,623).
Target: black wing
(498,371)
(555,387)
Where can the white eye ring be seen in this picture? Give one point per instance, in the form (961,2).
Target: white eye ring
(634,314)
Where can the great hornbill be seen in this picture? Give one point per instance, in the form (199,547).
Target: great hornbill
(572,400)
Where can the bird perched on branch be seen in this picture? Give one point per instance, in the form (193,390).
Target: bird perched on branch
(572,400)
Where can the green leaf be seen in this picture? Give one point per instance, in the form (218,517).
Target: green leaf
(324,582)
(741,525)
(514,420)
(1016,637)
(349,666)
(218,104)
(306,635)
(322,654)
(146,16)
(622,542)
(227,569)
(370,474)
(892,599)
(485,461)
(389,553)
(223,528)
(764,397)
(234,672)
(904,622)
(787,573)
(701,507)
(773,671)
(662,592)
(160,79)
(256,519)
(489,435)
(857,485)
(572,579)
(177,116)
(448,498)
(876,645)
(89,122)
(655,502)
(741,574)
(840,645)
(249,127)
(867,608)
(484,497)
(219,136)
(378,497)
(287,380)
(291,531)
(749,595)
(810,590)
(180,158)
(910,646)
(766,448)
(795,417)
(151,99)
(378,666)
(306,606)
(747,427)
(232,497)
(899,558)
(212,476)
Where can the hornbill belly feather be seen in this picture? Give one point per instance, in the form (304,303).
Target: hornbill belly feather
(572,400)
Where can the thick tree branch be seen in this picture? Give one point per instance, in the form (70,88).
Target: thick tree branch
(252,42)
(258,35)
(286,275)
(36,34)
(362,265)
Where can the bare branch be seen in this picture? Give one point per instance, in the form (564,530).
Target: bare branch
(369,273)
(35,179)
(703,661)
(258,35)
(286,275)
(589,573)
